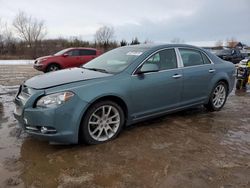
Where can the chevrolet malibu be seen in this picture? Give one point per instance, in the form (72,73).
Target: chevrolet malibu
(119,88)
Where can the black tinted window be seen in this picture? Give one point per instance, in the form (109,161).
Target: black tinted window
(191,57)
(87,52)
(165,59)
(73,53)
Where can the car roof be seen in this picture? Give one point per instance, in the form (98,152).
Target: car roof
(159,46)
(80,48)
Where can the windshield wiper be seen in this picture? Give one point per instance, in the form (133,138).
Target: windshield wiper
(97,69)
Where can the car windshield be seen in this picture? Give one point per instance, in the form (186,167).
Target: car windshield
(115,60)
(61,52)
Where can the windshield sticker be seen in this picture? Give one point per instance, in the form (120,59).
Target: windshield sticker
(134,53)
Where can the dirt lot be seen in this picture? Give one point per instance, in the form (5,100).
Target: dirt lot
(192,148)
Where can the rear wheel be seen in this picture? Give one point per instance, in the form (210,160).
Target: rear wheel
(218,97)
(53,67)
(102,122)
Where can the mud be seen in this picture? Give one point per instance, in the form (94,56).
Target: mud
(192,148)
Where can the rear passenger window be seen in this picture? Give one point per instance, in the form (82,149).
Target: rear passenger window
(87,52)
(191,57)
(205,59)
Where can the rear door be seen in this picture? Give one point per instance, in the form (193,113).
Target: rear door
(86,55)
(198,71)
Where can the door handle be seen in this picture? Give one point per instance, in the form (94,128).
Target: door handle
(211,70)
(177,76)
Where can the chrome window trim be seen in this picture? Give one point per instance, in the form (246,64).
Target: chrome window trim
(195,66)
(178,54)
(180,64)
(153,53)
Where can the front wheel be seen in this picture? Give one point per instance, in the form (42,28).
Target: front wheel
(102,122)
(218,97)
(52,67)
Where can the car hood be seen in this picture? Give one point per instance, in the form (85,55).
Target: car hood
(61,77)
(44,57)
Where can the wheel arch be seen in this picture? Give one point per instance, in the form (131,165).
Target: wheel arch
(218,78)
(118,100)
(226,82)
(221,77)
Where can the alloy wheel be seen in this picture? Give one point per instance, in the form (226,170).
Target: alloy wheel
(219,96)
(53,68)
(104,123)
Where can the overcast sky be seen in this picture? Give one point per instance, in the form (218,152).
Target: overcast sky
(154,20)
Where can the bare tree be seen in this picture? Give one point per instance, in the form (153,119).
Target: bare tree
(1,37)
(104,36)
(29,29)
(6,38)
(1,31)
(231,43)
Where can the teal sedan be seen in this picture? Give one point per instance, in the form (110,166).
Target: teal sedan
(126,85)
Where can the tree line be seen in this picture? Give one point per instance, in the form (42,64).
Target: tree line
(25,38)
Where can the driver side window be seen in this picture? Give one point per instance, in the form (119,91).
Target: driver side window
(73,53)
(165,59)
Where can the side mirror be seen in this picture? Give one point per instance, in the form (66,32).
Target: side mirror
(148,68)
(65,55)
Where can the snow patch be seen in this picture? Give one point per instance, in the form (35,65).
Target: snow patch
(17,62)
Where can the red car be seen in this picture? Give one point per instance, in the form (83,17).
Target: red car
(70,57)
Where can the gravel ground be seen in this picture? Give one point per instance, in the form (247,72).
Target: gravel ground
(192,148)
(15,74)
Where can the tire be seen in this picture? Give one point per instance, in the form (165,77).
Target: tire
(52,67)
(218,97)
(102,122)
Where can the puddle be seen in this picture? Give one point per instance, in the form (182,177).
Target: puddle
(192,148)
(239,140)
(10,138)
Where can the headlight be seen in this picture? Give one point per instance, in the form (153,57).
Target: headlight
(54,100)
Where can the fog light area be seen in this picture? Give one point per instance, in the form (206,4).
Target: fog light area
(41,129)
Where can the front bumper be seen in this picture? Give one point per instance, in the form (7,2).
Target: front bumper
(59,124)
(39,67)
(34,127)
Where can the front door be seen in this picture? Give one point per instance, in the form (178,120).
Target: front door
(73,59)
(156,92)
